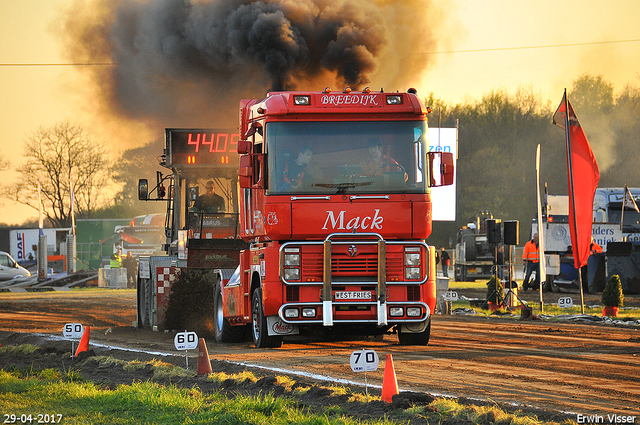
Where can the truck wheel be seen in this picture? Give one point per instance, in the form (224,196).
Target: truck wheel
(421,338)
(224,332)
(261,338)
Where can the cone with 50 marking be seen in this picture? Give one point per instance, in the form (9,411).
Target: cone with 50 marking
(84,342)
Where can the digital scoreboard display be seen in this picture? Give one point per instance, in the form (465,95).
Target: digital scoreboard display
(202,147)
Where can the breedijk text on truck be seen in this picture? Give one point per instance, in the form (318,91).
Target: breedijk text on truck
(333,206)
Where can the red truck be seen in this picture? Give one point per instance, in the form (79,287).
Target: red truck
(335,203)
(334,207)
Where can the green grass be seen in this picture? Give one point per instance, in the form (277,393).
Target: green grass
(467,285)
(148,403)
(550,309)
(66,393)
(630,313)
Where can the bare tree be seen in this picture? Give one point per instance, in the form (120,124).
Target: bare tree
(4,163)
(62,156)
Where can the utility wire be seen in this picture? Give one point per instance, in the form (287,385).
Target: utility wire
(496,49)
(60,64)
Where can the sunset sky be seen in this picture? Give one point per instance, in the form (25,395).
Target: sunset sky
(496,44)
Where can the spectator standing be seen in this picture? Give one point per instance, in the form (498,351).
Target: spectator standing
(531,259)
(131,265)
(445,260)
(116,261)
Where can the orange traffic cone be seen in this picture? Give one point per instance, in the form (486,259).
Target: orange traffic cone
(84,342)
(389,383)
(204,364)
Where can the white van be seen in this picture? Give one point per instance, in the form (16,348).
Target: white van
(9,269)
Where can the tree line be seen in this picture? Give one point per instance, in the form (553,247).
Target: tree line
(498,136)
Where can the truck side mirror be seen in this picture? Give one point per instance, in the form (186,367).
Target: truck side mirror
(250,172)
(245,171)
(194,192)
(442,170)
(244,147)
(143,189)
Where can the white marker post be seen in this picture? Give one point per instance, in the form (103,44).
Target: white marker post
(364,361)
(73,331)
(186,341)
(450,296)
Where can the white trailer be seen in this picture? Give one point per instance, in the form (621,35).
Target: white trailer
(24,242)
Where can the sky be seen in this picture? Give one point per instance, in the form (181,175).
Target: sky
(541,46)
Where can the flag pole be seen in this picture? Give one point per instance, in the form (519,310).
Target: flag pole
(541,257)
(573,198)
(624,199)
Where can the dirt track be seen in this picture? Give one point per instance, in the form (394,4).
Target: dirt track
(581,368)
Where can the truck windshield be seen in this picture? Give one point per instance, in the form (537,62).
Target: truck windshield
(346,157)
(631,218)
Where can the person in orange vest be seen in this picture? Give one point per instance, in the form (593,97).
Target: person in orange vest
(531,259)
(595,248)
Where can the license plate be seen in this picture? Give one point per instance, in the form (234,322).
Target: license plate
(352,295)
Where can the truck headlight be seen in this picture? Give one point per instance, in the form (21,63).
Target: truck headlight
(414,311)
(292,274)
(412,259)
(394,99)
(291,259)
(291,312)
(396,311)
(301,100)
(412,273)
(308,312)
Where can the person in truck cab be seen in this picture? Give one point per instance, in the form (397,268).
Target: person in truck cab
(379,163)
(210,202)
(295,173)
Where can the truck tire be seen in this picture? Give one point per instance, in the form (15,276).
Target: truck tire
(261,338)
(144,303)
(421,338)
(223,330)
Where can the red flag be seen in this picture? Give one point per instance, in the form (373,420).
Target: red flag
(584,175)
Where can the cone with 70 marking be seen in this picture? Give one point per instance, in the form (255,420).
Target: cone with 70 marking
(389,383)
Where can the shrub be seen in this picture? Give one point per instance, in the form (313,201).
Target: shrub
(612,295)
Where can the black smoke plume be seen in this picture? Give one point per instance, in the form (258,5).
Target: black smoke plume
(188,63)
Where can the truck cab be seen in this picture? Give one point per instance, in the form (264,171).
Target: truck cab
(335,203)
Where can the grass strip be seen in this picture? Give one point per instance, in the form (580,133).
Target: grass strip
(66,393)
